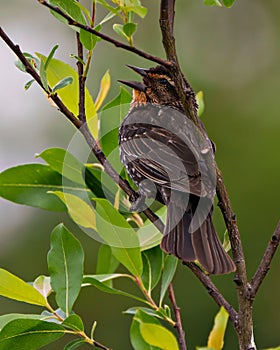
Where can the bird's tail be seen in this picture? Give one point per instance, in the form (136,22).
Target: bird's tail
(202,244)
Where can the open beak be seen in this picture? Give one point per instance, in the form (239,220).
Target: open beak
(141,71)
(134,85)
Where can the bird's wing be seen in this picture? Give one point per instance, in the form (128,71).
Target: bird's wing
(163,152)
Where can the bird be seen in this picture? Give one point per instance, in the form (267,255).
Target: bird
(167,157)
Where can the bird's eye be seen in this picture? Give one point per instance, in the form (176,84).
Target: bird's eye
(163,81)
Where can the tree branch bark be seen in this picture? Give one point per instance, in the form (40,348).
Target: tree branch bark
(243,323)
(265,263)
(82,112)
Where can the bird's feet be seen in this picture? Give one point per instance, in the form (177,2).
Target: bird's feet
(137,202)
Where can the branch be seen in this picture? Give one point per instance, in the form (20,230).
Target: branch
(177,312)
(243,322)
(82,113)
(184,90)
(265,263)
(100,346)
(83,128)
(105,37)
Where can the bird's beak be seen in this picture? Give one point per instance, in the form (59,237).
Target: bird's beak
(134,85)
(141,71)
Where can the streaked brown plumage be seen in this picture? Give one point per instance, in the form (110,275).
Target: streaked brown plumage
(165,157)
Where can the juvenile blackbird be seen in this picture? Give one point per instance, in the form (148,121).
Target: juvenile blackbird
(165,155)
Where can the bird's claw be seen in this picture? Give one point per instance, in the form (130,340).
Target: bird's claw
(138,202)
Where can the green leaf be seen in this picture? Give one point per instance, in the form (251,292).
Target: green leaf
(103,90)
(85,11)
(74,322)
(135,335)
(100,183)
(149,236)
(108,276)
(74,344)
(212,3)
(64,163)
(93,280)
(28,334)
(146,310)
(118,234)
(43,285)
(62,83)
(129,28)
(80,211)
(216,336)
(35,63)
(109,127)
(89,40)
(50,317)
(107,6)
(152,267)
(226,242)
(228,3)
(106,262)
(107,18)
(50,57)
(57,71)
(118,28)
(134,6)
(4,319)
(156,335)
(30,184)
(170,265)
(200,102)
(43,75)
(71,8)
(278,348)
(15,288)
(28,84)
(66,263)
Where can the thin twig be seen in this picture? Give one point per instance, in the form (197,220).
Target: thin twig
(177,312)
(105,37)
(82,113)
(265,263)
(244,325)
(184,90)
(100,346)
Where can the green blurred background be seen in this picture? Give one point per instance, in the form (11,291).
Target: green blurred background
(230,54)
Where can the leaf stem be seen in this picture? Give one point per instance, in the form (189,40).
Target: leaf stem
(150,300)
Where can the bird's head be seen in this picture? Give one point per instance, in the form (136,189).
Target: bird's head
(156,87)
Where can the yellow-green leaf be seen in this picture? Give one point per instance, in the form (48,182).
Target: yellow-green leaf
(103,90)
(56,72)
(200,102)
(216,336)
(79,210)
(159,336)
(15,288)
